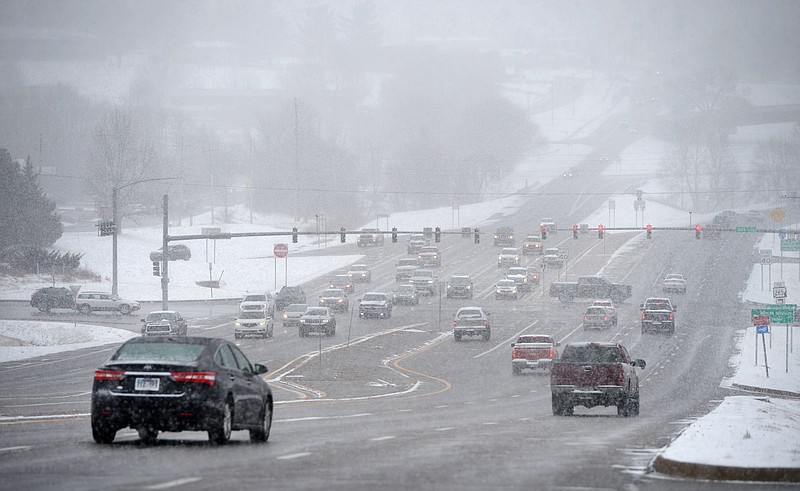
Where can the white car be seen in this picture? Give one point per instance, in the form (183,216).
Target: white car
(253,323)
(257,301)
(509,256)
(674,282)
(88,302)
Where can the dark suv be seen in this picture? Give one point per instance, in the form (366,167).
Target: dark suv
(369,236)
(289,295)
(51,297)
(504,237)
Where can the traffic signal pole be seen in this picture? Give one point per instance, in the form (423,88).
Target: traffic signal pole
(164,257)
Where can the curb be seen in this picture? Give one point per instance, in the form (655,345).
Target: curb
(725,473)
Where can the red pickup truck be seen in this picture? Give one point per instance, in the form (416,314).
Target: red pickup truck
(593,374)
(533,351)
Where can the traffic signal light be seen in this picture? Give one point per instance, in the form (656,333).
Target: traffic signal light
(544,232)
(575,232)
(343,235)
(394,234)
(697,229)
(477,236)
(600,231)
(649,231)
(438,234)
(294,235)
(156,268)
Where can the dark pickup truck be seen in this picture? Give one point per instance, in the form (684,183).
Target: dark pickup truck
(590,287)
(593,374)
(658,314)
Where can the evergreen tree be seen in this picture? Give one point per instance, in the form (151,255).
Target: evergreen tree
(27,215)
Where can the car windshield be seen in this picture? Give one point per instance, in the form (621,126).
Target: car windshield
(164,351)
(374,297)
(159,316)
(508,251)
(358,267)
(468,314)
(255,298)
(592,354)
(423,273)
(505,283)
(406,289)
(332,293)
(316,311)
(253,314)
(459,281)
(517,271)
(296,307)
(674,277)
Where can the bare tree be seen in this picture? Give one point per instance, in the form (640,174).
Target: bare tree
(121,154)
(777,163)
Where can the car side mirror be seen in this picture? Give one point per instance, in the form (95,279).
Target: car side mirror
(558,343)
(674,307)
(641,306)
(639,363)
(513,344)
(142,320)
(260,369)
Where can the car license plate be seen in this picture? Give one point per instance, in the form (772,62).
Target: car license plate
(147,384)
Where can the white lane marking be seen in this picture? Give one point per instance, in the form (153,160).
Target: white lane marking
(441,407)
(172,484)
(293,456)
(404,410)
(515,396)
(446,428)
(383,438)
(505,343)
(46,404)
(491,423)
(525,419)
(469,402)
(11,419)
(14,449)
(317,418)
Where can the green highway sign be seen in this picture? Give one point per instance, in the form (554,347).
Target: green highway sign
(745,229)
(778,314)
(789,245)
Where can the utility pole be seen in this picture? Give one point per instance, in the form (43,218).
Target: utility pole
(296,165)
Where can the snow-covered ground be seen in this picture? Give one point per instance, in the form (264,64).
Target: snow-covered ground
(740,432)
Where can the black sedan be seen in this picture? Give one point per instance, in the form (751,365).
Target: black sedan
(177,384)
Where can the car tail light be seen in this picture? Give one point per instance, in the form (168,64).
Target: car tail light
(552,353)
(586,317)
(198,377)
(454,323)
(484,323)
(605,318)
(110,375)
(670,316)
(643,316)
(514,353)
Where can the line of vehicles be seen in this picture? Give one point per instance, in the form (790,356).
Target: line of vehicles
(179,373)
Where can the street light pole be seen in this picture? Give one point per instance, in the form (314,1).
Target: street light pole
(114,192)
(114,242)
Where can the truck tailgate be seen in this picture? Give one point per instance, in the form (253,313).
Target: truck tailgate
(586,374)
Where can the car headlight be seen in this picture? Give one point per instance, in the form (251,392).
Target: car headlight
(238,324)
(262,323)
(341,300)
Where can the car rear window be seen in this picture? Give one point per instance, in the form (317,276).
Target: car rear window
(178,352)
(592,354)
(534,339)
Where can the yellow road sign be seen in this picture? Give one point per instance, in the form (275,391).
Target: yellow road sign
(778,214)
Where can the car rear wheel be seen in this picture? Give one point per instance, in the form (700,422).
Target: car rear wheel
(515,370)
(147,434)
(124,309)
(487,335)
(457,336)
(85,309)
(220,433)
(102,433)
(261,434)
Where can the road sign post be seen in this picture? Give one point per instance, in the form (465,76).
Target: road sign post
(282,251)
